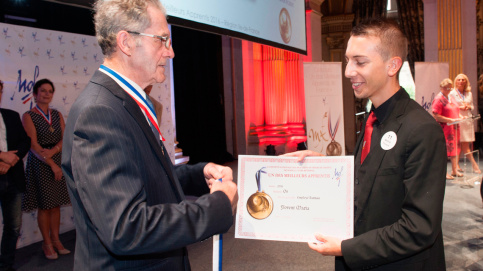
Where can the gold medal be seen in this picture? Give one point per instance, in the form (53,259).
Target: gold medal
(334,149)
(51,129)
(260,205)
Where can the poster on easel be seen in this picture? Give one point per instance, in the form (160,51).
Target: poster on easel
(428,75)
(324,107)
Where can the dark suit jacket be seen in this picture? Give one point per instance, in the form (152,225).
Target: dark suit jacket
(399,206)
(18,140)
(129,207)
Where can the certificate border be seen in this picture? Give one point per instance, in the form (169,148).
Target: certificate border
(243,159)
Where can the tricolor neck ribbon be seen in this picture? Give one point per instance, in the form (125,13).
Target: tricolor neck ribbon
(47,117)
(332,133)
(134,93)
(462,96)
(257,177)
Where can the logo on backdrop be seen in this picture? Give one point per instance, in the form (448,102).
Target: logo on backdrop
(427,105)
(34,36)
(25,88)
(60,37)
(318,136)
(5,32)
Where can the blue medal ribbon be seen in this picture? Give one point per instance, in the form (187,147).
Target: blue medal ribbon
(257,177)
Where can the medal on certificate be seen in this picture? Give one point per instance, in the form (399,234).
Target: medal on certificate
(260,204)
(334,148)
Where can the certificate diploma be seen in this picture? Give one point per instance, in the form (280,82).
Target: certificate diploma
(284,200)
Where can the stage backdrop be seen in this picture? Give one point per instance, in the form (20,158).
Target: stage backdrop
(428,76)
(68,60)
(324,107)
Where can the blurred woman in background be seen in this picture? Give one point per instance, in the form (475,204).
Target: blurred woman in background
(461,94)
(446,111)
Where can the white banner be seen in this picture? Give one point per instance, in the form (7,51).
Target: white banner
(69,61)
(428,76)
(324,107)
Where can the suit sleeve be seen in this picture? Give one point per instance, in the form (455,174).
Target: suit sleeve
(192,179)
(421,211)
(109,182)
(23,140)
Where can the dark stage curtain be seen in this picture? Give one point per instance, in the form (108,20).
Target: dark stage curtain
(198,91)
(411,20)
(364,9)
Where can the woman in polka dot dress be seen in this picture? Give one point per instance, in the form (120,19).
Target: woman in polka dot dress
(46,188)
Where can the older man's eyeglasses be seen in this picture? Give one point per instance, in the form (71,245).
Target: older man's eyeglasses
(166,40)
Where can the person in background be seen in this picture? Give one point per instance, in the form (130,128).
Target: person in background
(400,168)
(14,145)
(461,94)
(129,202)
(446,111)
(46,188)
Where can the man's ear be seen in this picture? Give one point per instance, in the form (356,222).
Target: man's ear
(125,43)
(394,65)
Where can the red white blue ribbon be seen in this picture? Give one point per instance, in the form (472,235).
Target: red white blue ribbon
(47,117)
(333,132)
(462,96)
(136,95)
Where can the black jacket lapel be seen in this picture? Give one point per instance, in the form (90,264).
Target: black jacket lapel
(134,110)
(368,170)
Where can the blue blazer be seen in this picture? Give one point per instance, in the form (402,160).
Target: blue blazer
(399,196)
(129,207)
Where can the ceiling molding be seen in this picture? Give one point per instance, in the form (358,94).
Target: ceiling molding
(316,5)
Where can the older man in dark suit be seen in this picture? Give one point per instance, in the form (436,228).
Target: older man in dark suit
(129,206)
(14,145)
(400,165)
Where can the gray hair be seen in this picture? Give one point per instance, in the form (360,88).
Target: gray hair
(446,82)
(112,16)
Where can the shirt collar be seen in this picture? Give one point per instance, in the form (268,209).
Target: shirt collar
(385,109)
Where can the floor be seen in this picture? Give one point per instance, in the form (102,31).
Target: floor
(462,231)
